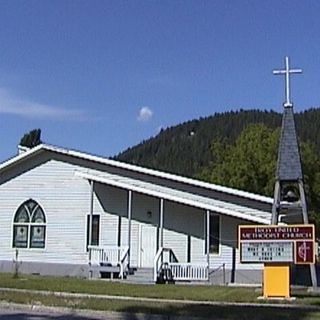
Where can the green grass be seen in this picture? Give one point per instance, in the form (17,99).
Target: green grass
(167,309)
(181,292)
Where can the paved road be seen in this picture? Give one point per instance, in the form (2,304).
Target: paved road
(20,312)
(32,315)
(28,314)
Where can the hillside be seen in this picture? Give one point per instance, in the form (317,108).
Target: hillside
(185,148)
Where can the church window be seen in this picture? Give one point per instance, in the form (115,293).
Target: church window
(29,226)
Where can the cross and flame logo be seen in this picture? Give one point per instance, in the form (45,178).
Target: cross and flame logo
(304,252)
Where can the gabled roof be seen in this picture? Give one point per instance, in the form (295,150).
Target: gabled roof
(72,153)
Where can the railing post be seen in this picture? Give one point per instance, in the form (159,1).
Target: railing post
(224,273)
(155,264)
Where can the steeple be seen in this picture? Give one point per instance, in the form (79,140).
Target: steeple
(289,175)
(289,202)
(289,162)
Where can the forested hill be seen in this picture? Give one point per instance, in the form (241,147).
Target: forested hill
(185,149)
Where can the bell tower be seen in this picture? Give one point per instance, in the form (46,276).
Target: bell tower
(289,202)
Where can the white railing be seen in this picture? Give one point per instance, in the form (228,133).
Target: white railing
(124,261)
(109,255)
(163,255)
(156,264)
(189,271)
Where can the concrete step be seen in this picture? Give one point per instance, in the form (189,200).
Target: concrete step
(141,275)
(105,271)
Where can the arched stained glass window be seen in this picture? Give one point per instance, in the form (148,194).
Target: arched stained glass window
(29,227)
(22,215)
(38,216)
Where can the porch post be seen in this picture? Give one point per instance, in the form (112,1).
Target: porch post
(90,224)
(161,222)
(91,211)
(208,237)
(129,224)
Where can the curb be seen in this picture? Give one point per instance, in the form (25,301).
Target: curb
(154,300)
(86,313)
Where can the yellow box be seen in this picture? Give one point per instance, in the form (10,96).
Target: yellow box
(276,281)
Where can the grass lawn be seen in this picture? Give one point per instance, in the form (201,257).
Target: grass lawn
(181,292)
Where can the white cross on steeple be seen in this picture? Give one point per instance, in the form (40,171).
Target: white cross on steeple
(287,72)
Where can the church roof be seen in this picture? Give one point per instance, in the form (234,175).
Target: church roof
(134,168)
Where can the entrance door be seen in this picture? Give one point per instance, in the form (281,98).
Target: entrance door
(147,245)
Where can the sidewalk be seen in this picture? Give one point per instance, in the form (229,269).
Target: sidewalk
(168,301)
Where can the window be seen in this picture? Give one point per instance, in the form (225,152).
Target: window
(214,235)
(95,230)
(29,226)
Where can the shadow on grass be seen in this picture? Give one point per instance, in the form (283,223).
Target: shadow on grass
(222,312)
(167,312)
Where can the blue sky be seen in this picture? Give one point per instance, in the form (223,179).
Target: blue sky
(101,76)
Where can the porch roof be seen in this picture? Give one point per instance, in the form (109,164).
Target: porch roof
(182,197)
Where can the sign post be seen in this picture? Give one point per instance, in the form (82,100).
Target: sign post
(277,246)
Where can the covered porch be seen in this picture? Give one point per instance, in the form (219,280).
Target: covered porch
(176,245)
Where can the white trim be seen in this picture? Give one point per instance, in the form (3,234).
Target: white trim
(91,207)
(161,222)
(129,208)
(139,245)
(206,235)
(122,165)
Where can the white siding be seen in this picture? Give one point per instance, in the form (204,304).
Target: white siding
(179,222)
(228,243)
(65,200)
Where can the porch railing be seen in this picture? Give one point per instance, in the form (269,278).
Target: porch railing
(189,271)
(166,259)
(109,256)
(163,256)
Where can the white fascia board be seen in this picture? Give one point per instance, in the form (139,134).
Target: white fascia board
(19,157)
(167,196)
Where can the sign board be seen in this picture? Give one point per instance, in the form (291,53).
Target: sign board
(274,244)
(266,252)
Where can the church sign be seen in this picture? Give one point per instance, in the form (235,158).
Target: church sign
(274,244)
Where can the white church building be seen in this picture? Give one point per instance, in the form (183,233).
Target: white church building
(64,212)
